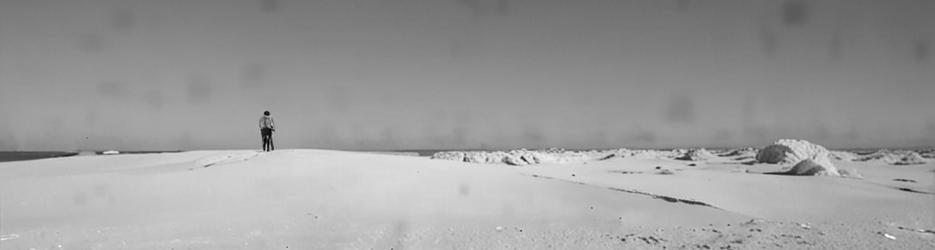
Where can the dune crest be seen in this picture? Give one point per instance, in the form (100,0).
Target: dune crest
(522,157)
(518,157)
(697,154)
(791,151)
(810,159)
(843,155)
(811,167)
(897,157)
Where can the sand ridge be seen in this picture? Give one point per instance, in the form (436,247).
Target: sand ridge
(321,199)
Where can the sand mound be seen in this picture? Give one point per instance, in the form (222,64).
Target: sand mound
(810,159)
(810,167)
(813,168)
(698,154)
(884,155)
(641,154)
(790,151)
(519,157)
(484,157)
(617,153)
(898,157)
(449,155)
(927,153)
(911,158)
(680,154)
(525,157)
(741,152)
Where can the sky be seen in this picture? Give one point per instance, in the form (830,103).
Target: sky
(465,74)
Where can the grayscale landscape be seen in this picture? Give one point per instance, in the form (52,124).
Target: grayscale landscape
(527,199)
(467,124)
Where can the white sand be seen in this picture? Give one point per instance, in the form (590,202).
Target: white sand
(318,199)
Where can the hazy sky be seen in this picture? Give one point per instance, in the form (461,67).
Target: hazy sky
(391,74)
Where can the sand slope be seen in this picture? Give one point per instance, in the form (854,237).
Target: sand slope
(319,199)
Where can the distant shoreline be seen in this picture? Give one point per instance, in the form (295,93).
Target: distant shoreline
(8,156)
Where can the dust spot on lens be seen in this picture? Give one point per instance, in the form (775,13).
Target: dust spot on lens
(90,42)
(269,5)
(795,13)
(921,50)
(199,89)
(101,189)
(253,74)
(122,21)
(79,199)
(681,109)
(112,89)
(154,99)
(464,189)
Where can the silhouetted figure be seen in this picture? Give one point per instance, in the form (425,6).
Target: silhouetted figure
(267,126)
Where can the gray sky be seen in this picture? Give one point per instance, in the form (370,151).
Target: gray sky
(384,74)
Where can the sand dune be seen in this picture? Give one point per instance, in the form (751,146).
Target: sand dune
(843,155)
(791,151)
(320,199)
(697,154)
(895,157)
(927,153)
(521,157)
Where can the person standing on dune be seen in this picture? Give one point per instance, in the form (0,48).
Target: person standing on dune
(267,126)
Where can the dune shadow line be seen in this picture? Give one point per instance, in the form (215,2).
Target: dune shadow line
(633,191)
